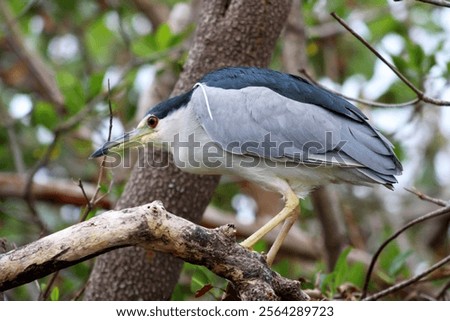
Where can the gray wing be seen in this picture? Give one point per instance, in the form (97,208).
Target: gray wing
(258,121)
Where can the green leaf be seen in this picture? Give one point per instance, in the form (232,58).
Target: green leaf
(143,46)
(416,54)
(161,40)
(341,268)
(65,79)
(91,214)
(338,276)
(400,63)
(398,263)
(199,279)
(99,41)
(44,114)
(357,274)
(260,246)
(72,89)
(95,83)
(389,254)
(75,98)
(54,295)
(282,267)
(163,36)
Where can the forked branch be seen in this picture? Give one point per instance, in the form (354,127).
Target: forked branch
(150,226)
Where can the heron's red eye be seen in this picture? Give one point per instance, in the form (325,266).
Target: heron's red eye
(152,121)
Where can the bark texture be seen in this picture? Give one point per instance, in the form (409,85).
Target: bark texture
(230,32)
(150,226)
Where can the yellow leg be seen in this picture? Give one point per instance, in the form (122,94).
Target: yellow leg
(291,203)
(281,236)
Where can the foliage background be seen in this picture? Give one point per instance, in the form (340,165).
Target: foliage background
(54,116)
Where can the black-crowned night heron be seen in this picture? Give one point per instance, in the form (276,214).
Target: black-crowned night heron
(271,128)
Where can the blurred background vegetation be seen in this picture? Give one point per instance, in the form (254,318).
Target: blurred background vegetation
(57,58)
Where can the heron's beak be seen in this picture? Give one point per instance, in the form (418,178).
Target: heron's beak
(127,140)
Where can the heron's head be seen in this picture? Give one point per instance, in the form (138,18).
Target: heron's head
(145,132)
(149,128)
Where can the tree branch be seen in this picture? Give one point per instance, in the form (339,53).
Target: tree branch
(408,282)
(366,102)
(440,3)
(419,93)
(151,227)
(61,191)
(442,211)
(57,191)
(38,69)
(427,198)
(229,33)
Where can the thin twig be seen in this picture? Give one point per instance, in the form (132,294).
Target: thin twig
(44,295)
(434,214)
(61,129)
(102,166)
(427,198)
(440,3)
(80,292)
(90,203)
(80,185)
(376,53)
(420,94)
(110,112)
(358,100)
(441,293)
(408,282)
(95,199)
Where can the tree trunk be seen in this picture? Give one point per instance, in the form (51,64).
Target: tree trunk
(230,32)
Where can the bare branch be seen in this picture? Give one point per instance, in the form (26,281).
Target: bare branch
(420,94)
(62,128)
(440,3)
(57,191)
(433,214)
(80,185)
(46,293)
(408,282)
(427,198)
(95,198)
(150,226)
(305,73)
(38,69)
(90,202)
(441,294)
